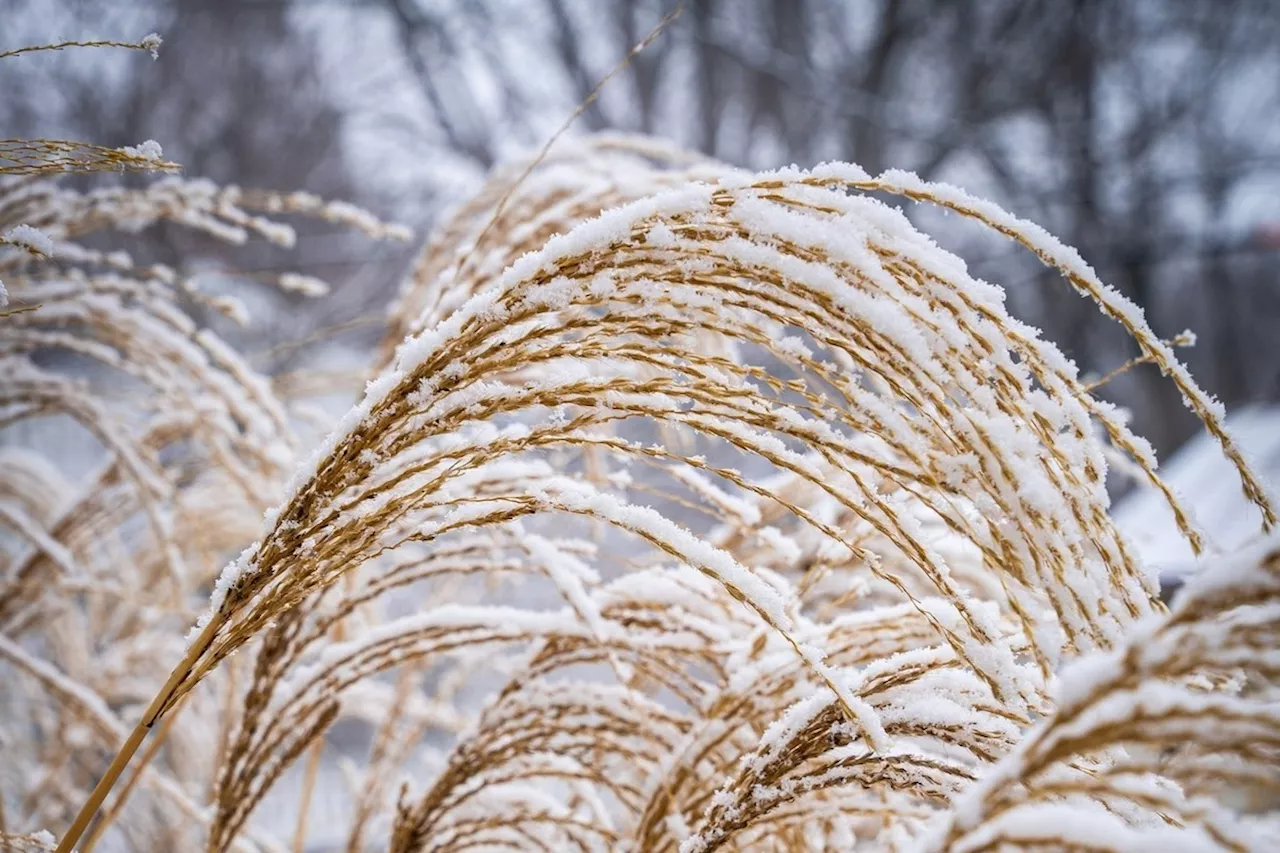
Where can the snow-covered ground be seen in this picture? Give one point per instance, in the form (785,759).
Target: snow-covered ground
(1205,481)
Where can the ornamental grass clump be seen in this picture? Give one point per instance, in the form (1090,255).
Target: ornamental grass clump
(688,509)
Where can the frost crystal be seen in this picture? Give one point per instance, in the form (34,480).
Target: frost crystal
(149,150)
(151,42)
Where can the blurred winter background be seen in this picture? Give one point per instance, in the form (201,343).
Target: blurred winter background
(1145,133)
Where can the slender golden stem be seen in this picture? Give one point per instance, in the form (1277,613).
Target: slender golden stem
(308,788)
(139,769)
(32,48)
(139,733)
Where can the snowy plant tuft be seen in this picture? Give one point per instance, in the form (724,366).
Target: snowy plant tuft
(140,449)
(686,509)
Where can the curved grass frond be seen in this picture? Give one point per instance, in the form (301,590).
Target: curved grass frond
(544,196)
(1154,740)
(60,156)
